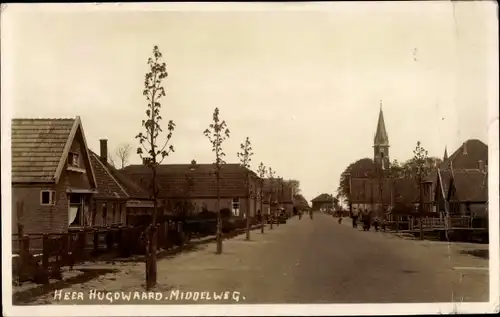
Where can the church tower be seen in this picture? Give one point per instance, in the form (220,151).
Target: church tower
(381,142)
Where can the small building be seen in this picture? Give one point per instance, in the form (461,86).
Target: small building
(322,201)
(52,177)
(119,201)
(196,184)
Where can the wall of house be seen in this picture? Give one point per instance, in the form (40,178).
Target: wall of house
(211,204)
(36,218)
(108,213)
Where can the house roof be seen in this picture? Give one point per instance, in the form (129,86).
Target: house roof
(366,190)
(178,180)
(470,185)
(300,201)
(40,149)
(323,198)
(113,183)
(467,156)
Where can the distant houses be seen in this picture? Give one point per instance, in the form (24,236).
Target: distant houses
(459,183)
(322,201)
(195,185)
(59,184)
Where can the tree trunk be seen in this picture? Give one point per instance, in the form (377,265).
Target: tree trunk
(420,205)
(219,218)
(271,212)
(151,250)
(248,209)
(261,209)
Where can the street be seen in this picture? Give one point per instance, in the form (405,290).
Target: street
(310,261)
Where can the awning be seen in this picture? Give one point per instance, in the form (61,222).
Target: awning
(81,191)
(140,204)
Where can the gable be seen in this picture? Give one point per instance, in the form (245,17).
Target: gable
(76,140)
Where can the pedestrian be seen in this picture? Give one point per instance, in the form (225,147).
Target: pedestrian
(376,223)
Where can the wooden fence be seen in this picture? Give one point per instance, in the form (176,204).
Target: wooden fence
(39,257)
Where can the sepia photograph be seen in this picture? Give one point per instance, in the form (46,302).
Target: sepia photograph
(217,159)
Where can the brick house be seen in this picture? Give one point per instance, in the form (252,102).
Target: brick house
(196,184)
(119,201)
(52,178)
(462,181)
(322,201)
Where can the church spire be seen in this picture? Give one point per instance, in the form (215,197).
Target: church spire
(381,137)
(445,156)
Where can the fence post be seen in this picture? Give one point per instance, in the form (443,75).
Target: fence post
(45,258)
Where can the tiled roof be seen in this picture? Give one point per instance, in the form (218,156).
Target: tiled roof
(112,183)
(323,198)
(475,150)
(300,202)
(37,148)
(471,185)
(406,190)
(363,187)
(177,180)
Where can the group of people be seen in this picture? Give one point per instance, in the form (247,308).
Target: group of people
(367,221)
(310,214)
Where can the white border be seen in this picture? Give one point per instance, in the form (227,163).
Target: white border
(235,310)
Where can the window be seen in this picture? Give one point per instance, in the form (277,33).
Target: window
(48,197)
(73,159)
(75,213)
(104,213)
(236,206)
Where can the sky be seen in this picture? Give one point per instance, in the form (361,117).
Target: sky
(303,82)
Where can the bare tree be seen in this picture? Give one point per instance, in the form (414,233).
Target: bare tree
(245,157)
(262,173)
(151,152)
(217,133)
(123,154)
(111,160)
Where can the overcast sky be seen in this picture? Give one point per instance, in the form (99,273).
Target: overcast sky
(304,85)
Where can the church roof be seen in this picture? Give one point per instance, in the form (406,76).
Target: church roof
(381,133)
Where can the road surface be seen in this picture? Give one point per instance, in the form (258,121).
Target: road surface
(307,261)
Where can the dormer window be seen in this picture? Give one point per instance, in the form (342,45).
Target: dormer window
(74,159)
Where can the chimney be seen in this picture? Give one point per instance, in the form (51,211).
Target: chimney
(480,164)
(104,150)
(145,161)
(464,148)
